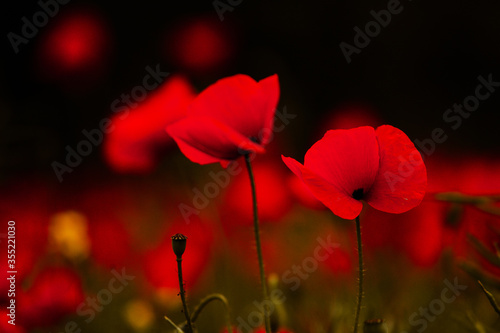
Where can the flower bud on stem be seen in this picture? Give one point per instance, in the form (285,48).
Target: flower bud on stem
(179,246)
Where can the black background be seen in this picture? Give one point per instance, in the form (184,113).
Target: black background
(426,59)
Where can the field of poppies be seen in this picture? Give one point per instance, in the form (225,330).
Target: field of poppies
(249,167)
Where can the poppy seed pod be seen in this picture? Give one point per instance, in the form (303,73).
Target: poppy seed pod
(179,244)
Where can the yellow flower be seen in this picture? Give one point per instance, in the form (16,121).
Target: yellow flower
(68,235)
(139,314)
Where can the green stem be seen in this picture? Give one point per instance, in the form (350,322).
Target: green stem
(257,243)
(204,302)
(361,274)
(183,295)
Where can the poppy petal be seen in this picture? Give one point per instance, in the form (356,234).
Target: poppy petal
(238,102)
(346,158)
(270,94)
(336,200)
(205,140)
(402,178)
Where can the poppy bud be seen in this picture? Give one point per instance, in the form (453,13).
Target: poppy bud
(375,326)
(179,244)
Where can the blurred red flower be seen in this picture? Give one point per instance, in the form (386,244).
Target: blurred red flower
(56,292)
(349,116)
(200,45)
(5,327)
(274,199)
(230,117)
(160,265)
(418,233)
(110,243)
(136,136)
(77,43)
(31,226)
(303,194)
(468,175)
(380,166)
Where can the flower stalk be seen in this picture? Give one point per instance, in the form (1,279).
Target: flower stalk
(179,246)
(361,275)
(258,244)
(210,298)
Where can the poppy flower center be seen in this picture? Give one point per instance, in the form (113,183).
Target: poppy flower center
(358,194)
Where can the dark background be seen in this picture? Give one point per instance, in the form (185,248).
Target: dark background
(426,59)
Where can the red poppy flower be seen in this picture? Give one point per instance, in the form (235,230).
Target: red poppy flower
(232,116)
(380,166)
(136,136)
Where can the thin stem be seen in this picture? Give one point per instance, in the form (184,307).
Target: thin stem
(361,274)
(183,295)
(257,243)
(204,302)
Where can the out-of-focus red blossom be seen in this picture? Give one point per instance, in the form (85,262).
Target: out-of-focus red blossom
(470,221)
(338,263)
(105,209)
(350,116)
(5,327)
(160,265)
(273,246)
(230,117)
(76,44)
(200,45)
(418,233)
(424,232)
(380,166)
(110,243)
(27,203)
(303,194)
(273,198)
(478,175)
(137,136)
(56,292)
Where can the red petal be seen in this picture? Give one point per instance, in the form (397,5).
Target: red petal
(240,103)
(270,94)
(347,159)
(402,178)
(135,136)
(336,200)
(205,140)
